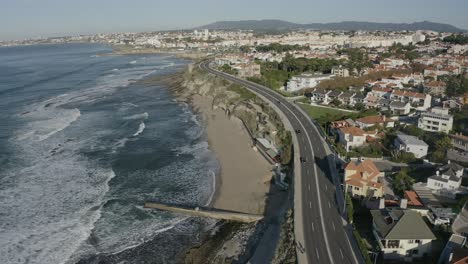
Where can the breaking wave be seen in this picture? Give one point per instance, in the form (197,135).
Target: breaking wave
(140,130)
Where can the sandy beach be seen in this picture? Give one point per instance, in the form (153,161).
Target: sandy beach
(244,178)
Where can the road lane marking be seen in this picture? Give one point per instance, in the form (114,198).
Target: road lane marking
(309,187)
(341,252)
(318,256)
(313,227)
(310,204)
(333,224)
(329,205)
(326,188)
(263,91)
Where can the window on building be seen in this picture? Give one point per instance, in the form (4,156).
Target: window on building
(393,243)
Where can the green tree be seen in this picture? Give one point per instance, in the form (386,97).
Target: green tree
(286,152)
(359,106)
(358,60)
(336,102)
(403,157)
(228,69)
(441,145)
(413,131)
(349,207)
(402,181)
(456,39)
(456,85)
(460,120)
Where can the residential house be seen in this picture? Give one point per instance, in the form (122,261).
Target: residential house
(376,120)
(437,120)
(358,98)
(335,94)
(380,92)
(248,70)
(340,71)
(352,137)
(392,63)
(336,125)
(447,180)
(363,179)
(371,101)
(435,88)
(401,234)
(460,224)
(320,96)
(452,104)
(419,101)
(346,98)
(383,104)
(455,243)
(306,80)
(400,108)
(411,144)
(459,142)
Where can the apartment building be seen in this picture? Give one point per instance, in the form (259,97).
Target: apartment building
(437,120)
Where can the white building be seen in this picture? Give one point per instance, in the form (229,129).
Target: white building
(447,180)
(437,120)
(419,101)
(306,80)
(340,71)
(411,144)
(401,234)
(400,108)
(352,137)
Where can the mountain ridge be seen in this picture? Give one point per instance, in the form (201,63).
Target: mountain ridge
(280,25)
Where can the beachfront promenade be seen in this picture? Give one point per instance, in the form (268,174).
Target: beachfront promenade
(320,230)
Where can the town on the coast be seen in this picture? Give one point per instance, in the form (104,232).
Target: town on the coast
(392,107)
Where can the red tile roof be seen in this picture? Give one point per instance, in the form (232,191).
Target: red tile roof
(366,168)
(409,94)
(355,131)
(372,120)
(413,198)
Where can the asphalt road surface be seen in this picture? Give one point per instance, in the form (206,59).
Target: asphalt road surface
(324,236)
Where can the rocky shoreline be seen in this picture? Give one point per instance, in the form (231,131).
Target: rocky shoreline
(232,242)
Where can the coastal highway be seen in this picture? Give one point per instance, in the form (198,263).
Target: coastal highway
(319,227)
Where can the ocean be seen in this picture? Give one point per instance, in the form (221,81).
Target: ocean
(83,144)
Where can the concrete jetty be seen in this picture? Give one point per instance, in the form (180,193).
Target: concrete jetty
(205,212)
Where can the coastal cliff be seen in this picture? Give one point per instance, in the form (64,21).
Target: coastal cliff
(233,116)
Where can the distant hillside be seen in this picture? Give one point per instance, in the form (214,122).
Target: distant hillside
(279,25)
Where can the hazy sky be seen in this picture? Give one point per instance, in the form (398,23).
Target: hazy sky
(31,18)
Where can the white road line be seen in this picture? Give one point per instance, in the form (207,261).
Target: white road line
(341,252)
(333,224)
(313,227)
(329,205)
(326,188)
(309,187)
(322,220)
(310,204)
(261,90)
(316,251)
